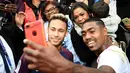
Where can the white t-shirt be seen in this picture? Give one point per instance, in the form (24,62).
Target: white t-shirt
(114,57)
(11,57)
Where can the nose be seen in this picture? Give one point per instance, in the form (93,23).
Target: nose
(87,36)
(56,33)
(80,18)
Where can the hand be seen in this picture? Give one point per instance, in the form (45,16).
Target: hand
(44,59)
(19,18)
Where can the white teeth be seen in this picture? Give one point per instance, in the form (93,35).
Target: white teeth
(90,43)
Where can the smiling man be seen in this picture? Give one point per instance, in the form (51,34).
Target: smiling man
(57,30)
(111,58)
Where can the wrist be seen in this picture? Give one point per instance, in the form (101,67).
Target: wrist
(67,67)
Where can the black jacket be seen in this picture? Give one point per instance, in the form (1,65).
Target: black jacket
(123,11)
(14,37)
(65,4)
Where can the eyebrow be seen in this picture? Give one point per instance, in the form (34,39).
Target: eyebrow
(52,27)
(87,29)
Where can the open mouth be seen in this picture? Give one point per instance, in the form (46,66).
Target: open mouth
(91,43)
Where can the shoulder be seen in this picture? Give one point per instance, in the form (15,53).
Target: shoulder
(115,58)
(67,54)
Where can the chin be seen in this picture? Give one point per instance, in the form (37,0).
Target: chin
(92,49)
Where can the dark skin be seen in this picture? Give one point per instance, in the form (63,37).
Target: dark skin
(47,59)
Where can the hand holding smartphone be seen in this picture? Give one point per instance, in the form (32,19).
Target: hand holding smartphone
(35,32)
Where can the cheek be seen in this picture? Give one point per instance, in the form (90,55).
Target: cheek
(100,39)
(86,17)
(62,35)
(83,38)
(47,16)
(50,33)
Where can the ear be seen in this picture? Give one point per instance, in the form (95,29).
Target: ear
(57,10)
(66,33)
(105,31)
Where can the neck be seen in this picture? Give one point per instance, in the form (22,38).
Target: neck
(36,3)
(106,44)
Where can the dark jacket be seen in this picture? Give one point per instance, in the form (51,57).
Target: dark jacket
(14,37)
(11,33)
(65,4)
(123,11)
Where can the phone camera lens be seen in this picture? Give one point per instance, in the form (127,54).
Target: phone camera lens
(34,33)
(27,26)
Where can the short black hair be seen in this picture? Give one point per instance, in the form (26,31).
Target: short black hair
(100,9)
(98,21)
(61,17)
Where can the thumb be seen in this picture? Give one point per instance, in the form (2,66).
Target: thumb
(49,44)
(33,44)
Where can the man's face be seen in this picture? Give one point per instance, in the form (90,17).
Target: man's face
(80,16)
(94,35)
(50,10)
(56,32)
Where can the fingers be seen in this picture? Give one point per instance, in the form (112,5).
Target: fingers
(49,44)
(32,66)
(33,44)
(22,13)
(31,57)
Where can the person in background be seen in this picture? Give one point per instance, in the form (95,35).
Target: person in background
(101,10)
(31,11)
(65,4)
(123,32)
(79,14)
(111,58)
(8,58)
(9,30)
(89,3)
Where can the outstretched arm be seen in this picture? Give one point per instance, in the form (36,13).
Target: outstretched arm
(48,60)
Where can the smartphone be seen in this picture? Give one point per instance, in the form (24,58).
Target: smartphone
(35,32)
(126,21)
